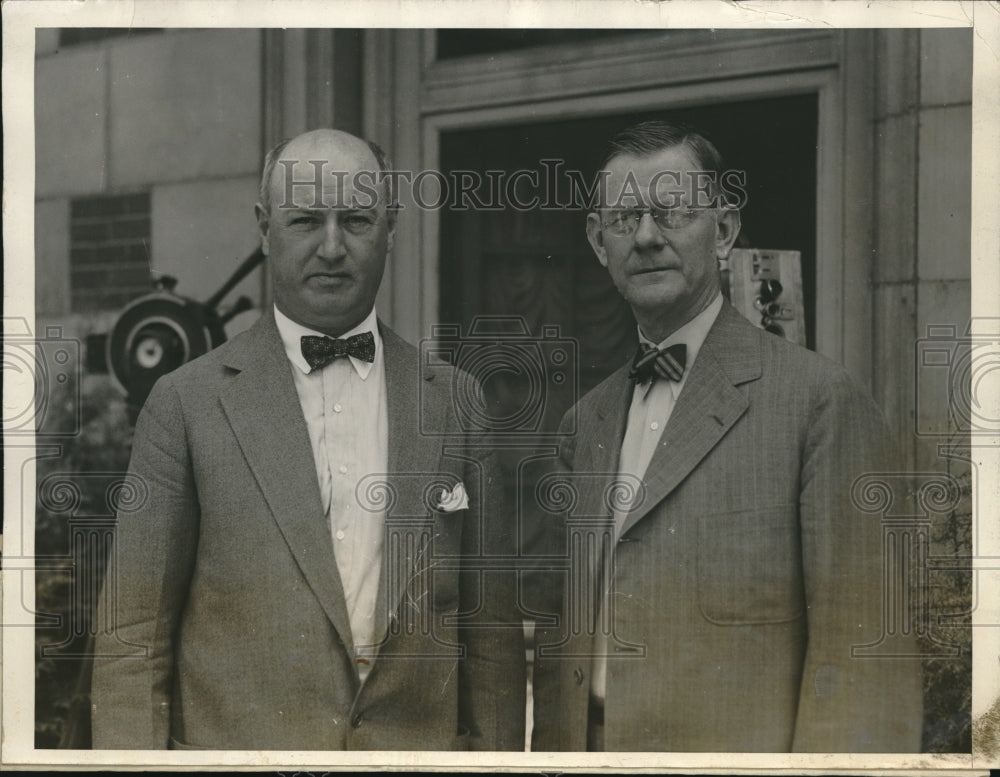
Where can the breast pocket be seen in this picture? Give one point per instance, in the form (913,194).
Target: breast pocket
(749,566)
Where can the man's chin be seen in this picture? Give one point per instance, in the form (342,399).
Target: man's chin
(337,316)
(654,295)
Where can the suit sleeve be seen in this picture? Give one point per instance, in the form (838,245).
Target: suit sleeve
(146,584)
(859,702)
(493,683)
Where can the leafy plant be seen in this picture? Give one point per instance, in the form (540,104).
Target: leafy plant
(68,576)
(948,679)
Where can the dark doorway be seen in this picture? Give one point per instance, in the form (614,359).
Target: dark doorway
(536,263)
(535,266)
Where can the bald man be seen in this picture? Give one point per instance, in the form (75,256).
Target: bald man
(303,572)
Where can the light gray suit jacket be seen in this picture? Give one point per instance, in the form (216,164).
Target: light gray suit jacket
(744,577)
(223,619)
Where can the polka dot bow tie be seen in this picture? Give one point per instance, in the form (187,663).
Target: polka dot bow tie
(320,351)
(651,363)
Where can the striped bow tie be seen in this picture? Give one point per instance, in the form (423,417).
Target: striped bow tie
(651,363)
(320,351)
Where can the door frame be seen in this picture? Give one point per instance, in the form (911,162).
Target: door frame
(407,88)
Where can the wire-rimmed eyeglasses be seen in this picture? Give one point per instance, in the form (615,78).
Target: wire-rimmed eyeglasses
(624,222)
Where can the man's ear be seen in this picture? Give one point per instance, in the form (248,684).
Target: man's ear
(727,228)
(263,226)
(596,238)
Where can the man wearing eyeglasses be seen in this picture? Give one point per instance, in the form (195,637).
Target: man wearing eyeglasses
(737,577)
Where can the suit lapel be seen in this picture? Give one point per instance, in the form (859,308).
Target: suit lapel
(262,405)
(706,409)
(600,442)
(414,458)
(595,468)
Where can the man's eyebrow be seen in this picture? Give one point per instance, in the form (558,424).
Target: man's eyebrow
(322,210)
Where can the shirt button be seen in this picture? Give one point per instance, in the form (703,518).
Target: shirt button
(340,534)
(356,721)
(337,408)
(343,469)
(654,426)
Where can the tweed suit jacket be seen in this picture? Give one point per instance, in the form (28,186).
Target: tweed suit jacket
(743,577)
(224,623)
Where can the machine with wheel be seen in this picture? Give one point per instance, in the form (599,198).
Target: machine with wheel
(160,331)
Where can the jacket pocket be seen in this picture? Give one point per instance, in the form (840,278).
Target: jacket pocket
(750,566)
(445,590)
(443,560)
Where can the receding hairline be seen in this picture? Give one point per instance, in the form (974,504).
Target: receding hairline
(649,138)
(642,155)
(326,142)
(277,154)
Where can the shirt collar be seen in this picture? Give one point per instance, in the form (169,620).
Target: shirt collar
(292,334)
(692,334)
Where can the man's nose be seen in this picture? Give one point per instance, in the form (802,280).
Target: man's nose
(647,234)
(332,246)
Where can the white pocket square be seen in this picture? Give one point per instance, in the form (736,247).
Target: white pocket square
(454,500)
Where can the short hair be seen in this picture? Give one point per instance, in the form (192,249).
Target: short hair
(274,154)
(648,137)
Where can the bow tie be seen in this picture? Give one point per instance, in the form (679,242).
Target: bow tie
(320,351)
(651,363)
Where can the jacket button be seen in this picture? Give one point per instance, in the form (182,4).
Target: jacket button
(356,721)
(578,676)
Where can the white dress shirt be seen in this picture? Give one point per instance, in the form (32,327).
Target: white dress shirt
(648,414)
(344,405)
